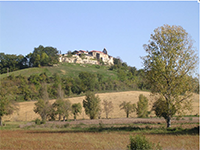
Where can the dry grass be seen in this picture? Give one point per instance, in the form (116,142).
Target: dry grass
(43,140)
(26,112)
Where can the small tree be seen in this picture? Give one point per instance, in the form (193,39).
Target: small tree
(142,107)
(66,109)
(76,109)
(108,107)
(43,106)
(128,107)
(7,106)
(91,103)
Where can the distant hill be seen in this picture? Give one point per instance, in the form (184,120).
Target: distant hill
(65,69)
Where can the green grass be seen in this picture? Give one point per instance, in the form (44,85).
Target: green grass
(65,69)
(81,127)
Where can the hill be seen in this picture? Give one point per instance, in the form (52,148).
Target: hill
(65,69)
(26,112)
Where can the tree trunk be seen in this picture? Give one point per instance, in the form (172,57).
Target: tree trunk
(74,117)
(1,121)
(127,114)
(64,118)
(168,122)
(106,115)
(59,117)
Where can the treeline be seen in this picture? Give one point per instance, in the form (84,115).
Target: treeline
(29,88)
(41,56)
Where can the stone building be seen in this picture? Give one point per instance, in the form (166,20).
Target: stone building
(92,57)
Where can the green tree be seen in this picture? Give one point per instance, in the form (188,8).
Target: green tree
(76,109)
(170,60)
(62,108)
(43,107)
(91,103)
(128,107)
(7,106)
(107,107)
(142,107)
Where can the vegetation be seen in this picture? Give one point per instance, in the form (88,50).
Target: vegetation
(142,107)
(107,107)
(169,64)
(41,56)
(42,106)
(139,142)
(7,106)
(91,103)
(76,109)
(128,107)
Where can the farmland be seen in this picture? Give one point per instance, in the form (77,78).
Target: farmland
(21,132)
(26,112)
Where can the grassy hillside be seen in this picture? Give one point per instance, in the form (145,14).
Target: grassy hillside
(65,69)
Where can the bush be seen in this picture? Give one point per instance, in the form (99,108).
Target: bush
(38,121)
(139,142)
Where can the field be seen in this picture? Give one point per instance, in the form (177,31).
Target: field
(108,134)
(26,113)
(45,140)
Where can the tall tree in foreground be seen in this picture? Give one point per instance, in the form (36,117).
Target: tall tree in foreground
(142,107)
(170,61)
(91,103)
(128,107)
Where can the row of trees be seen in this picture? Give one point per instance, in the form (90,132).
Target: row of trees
(92,105)
(41,56)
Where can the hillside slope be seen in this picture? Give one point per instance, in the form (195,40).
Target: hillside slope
(26,108)
(65,69)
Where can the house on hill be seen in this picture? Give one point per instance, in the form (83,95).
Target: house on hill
(92,57)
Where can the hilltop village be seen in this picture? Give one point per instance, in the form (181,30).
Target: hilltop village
(85,57)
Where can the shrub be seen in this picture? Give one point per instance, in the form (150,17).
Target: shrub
(139,143)
(38,121)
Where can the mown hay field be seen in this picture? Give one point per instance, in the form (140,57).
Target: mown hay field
(26,112)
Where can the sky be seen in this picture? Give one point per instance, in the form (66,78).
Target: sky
(122,27)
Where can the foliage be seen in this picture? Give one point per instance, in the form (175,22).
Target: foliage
(91,103)
(76,109)
(128,107)
(107,107)
(41,56)
(170,61)
(139,142)
(7,106)
(62,108)
(43,107)
(142,107)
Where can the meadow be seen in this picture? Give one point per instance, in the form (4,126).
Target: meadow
(98,136)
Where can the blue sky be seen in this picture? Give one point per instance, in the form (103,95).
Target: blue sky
(121,27)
